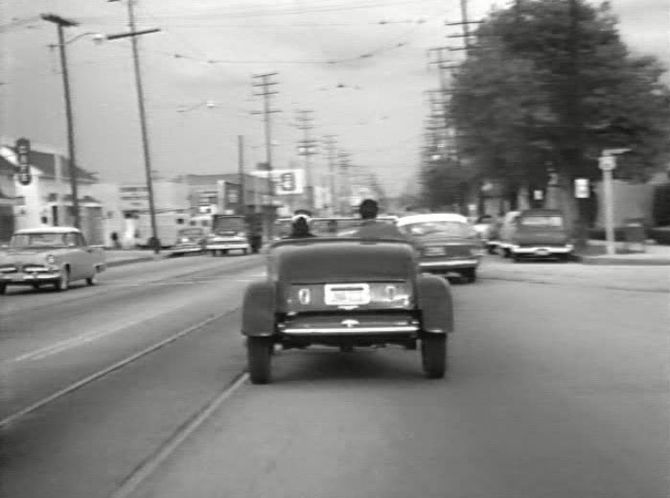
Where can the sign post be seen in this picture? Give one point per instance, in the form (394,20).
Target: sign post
(23,159)
(607,163)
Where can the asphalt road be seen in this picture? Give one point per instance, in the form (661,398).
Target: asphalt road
(558,387)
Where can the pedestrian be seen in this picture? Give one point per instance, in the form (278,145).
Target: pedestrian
(115,240)
(371,228)
(300,226)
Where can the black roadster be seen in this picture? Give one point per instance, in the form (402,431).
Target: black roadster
(346,293)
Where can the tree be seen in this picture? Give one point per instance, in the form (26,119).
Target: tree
(551,82)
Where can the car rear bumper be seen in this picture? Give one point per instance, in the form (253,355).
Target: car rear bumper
(540,250)
(448,264)
(352,325)
(224,246)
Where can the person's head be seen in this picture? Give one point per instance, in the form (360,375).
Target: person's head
(368,209)
(300,224)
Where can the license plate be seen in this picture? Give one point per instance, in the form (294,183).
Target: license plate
(346,294)
(434,251)
(542,252)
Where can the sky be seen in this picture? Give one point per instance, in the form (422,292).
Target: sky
(360,66)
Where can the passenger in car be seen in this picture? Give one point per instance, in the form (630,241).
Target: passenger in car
(300,226)
(371,228)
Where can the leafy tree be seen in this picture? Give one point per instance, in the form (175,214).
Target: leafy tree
(548,85)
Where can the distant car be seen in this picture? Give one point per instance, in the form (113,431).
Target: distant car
(446,242)
(51,255)
(189,241)
(345,293)
(506,233)
(229,233)
(541,233)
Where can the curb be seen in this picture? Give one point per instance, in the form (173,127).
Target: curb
(614,261)
(122,262)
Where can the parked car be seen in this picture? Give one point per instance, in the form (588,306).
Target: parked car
(189,241)
(446,243)
(49,255)
(506,233)
(229,233)
(345,293)
(541,233)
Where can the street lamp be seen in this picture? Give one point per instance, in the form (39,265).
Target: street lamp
(133,34)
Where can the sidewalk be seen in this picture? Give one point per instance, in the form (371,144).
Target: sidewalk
(118,257)
(596,254)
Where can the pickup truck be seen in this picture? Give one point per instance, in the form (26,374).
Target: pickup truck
(49,255)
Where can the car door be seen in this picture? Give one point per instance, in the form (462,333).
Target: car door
(76,256)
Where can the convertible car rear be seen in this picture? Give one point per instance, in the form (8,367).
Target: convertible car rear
(345,293)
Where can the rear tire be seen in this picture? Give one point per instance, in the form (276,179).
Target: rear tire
(434,355)
(63,283)
(91,280)
(3,289)
(259,354)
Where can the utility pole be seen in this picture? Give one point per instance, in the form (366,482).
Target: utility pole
(62,23)
(133,34)
(464,20)
(306,149)
(265,84)
(240,171)
(345,184)
(330,141)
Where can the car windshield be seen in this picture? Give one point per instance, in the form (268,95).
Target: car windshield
(553,221)
(446,228)
(38,240)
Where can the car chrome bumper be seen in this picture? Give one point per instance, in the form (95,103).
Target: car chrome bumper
(542,250)
(222,246)
(349,330)
(449,263)
(29,278)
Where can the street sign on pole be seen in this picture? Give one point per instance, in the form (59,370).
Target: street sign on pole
(23,158)
(582,188)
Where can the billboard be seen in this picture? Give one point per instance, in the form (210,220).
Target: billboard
(285,181)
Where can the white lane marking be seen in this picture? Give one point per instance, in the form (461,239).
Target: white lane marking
(82,339)
(116,366)
(136,478)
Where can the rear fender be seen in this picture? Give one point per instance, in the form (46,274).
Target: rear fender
(258,309)
(435,303)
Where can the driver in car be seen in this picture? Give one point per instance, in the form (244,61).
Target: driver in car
(371,228)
